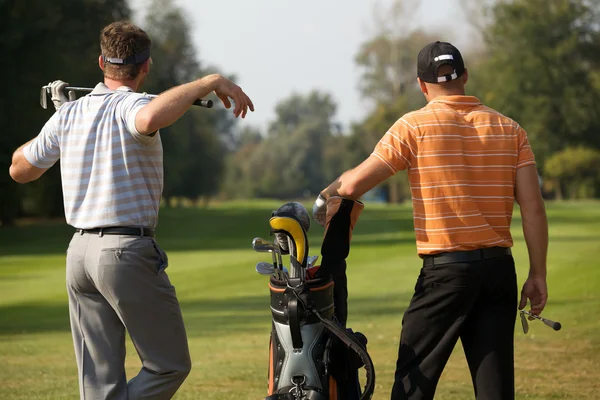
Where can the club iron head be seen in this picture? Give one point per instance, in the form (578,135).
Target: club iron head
(312,260)
(265,268)
(262,246)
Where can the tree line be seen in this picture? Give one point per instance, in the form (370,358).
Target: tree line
(537,61)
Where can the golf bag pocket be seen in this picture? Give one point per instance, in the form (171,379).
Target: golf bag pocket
(299,345)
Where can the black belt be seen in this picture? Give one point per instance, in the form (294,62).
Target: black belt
(465,256)
(119,230)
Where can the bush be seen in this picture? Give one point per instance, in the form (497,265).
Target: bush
(574,173)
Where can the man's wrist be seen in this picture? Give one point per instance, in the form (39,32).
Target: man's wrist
(327,193)
(212,81)
(537,273)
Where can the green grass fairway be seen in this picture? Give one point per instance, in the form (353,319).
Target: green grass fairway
(226,303)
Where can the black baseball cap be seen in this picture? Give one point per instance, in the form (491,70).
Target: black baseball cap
(436,54)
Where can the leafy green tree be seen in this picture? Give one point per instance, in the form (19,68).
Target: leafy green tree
(195,146)
(237,181)
(573,173)
(388,62)
(290,162)
(542,68)
(42,41)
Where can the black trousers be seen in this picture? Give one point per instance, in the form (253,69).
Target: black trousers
(474,301)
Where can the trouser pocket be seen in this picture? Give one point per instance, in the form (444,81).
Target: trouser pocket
(164,260)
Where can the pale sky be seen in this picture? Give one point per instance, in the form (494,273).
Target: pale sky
(277,47)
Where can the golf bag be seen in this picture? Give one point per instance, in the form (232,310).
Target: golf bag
(312,355)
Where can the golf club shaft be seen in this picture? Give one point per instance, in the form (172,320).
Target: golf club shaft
(552,324)
(199,102)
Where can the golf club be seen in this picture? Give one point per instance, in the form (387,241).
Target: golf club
(262,246)
(46,91)
(264,268)
(552,324)
(312,260)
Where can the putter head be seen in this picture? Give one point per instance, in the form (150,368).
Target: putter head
(44,97)
(262,246)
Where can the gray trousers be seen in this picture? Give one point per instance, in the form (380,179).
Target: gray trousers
(117,283)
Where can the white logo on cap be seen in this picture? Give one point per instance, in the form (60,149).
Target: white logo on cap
(447,78)
(444,57)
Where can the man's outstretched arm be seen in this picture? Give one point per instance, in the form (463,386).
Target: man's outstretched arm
(169,106)
(354,183)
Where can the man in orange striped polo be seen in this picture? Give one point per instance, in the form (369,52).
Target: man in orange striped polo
(467,164)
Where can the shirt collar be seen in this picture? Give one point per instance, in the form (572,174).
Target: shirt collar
(457,100)
(101,88)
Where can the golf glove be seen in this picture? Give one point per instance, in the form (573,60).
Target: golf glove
(58,95)
(319,210)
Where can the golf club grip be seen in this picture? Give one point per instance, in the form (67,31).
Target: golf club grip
(204,103)
(552,324)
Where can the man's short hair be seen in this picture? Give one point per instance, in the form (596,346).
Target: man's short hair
(124,47)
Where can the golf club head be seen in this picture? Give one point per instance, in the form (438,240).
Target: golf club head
(294,210)
(265,268)
(524,322)
(312,260)
(262,246)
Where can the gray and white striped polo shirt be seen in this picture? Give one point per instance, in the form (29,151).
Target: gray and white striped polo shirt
(111,174)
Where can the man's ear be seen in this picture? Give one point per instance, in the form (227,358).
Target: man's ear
(465,77)
(101,62)
(422,86)
(146,66)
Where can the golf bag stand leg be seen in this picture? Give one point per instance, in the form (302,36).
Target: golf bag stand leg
(342,215)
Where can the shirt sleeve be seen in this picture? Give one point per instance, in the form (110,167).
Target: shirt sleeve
(397,148)
(526,156)
(44,150)
(131,105)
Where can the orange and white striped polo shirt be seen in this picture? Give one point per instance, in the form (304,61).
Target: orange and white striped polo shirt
(462,158)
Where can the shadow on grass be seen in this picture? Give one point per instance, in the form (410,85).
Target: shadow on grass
(193,229)
(203,318)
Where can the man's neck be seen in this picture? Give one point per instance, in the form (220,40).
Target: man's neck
(114,84)
(444,93)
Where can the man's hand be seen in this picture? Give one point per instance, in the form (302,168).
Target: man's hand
(58,95)
(225,89)
(319,210)
(536,291)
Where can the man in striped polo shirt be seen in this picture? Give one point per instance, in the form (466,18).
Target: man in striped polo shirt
(467,164)
(112,177)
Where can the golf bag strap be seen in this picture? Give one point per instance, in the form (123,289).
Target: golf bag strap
(352,343)
(358,348)
(294,323)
